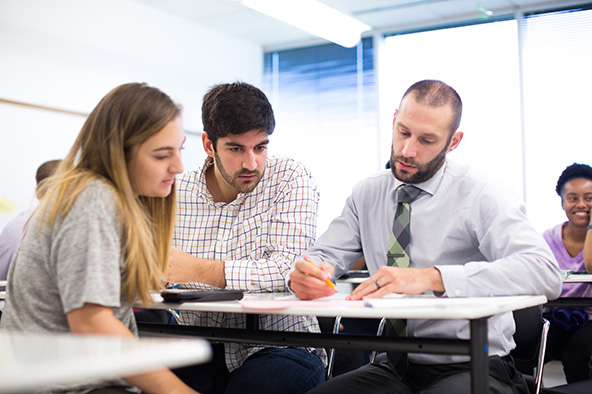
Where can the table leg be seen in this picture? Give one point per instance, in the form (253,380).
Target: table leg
(252,322)
(479,357)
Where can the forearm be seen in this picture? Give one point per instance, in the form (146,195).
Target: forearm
(588,250)
(263,275)
(209,272)
(521,274)
(161,381)
(186,268)
(99,320)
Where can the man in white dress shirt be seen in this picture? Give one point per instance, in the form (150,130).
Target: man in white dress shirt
(469,237)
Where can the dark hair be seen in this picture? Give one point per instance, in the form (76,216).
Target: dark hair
(46,170)
(571,172)
(436,94)
(235,108)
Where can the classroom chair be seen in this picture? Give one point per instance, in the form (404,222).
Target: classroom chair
(581,387)
(531,342)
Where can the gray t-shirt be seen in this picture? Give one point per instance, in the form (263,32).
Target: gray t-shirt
(59,269)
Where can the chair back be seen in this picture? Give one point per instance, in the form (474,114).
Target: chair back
(529,324)
(531,341)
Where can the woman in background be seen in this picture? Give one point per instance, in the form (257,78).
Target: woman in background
(100,238)
(570,335)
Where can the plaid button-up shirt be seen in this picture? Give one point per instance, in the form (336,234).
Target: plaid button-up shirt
(258,236)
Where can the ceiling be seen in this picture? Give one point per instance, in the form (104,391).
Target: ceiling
(385,16)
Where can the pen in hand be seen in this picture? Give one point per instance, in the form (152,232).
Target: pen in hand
(306,258)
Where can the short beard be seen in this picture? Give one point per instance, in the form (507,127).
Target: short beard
(424,171)
(234,182)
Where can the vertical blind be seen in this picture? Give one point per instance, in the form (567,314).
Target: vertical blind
(325,83)
(557,62)
(327,107)
(325,102)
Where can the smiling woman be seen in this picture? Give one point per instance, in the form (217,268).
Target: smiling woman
(570,332)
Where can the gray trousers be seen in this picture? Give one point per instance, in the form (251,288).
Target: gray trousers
(378,378)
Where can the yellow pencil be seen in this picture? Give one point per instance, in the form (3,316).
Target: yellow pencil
(326,280)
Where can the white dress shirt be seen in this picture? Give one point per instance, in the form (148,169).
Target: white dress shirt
(473,230)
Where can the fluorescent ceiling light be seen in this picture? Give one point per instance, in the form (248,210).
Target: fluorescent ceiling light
(313,17)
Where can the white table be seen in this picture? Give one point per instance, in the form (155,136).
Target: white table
(2,289)
(573,301)
(476,310)
(354,277)
(577,278)
(35,361)
(2,294)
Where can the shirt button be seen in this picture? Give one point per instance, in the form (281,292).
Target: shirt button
(457,292)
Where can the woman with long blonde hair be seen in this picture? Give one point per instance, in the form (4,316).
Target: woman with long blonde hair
(101,236)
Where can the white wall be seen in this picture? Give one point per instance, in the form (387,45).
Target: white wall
(68,54)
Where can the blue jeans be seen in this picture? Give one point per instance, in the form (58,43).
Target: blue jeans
(271,370)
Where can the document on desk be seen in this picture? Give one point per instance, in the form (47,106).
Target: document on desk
(334,301)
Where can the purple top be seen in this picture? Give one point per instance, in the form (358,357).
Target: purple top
(568,263)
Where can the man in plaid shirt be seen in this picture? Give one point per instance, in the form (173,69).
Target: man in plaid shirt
(242,219)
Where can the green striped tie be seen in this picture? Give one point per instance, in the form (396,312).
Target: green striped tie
(398,256)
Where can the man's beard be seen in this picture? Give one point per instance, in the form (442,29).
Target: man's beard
(424,171)
(234,180)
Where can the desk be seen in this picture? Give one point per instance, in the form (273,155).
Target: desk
(2,294)
(3,289)
(476,310)
(577,278)
(35,361)
(353,277)
(573,301)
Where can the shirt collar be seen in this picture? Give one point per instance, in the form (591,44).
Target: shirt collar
(431,185)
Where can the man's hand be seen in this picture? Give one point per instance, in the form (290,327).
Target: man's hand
(185,268)
(308,280)
(398,280)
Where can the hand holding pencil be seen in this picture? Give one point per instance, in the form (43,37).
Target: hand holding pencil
(328,281)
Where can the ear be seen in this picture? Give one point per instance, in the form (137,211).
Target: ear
(562,204)
(395,116)
(455,140)
(208,145)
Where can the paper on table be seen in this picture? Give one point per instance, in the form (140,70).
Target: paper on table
(334,301)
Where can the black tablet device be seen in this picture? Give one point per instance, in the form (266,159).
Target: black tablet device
(180,295)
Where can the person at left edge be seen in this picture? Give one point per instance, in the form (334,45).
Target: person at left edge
(14,230)
(241,220)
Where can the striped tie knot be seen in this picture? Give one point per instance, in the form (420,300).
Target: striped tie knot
(407,193)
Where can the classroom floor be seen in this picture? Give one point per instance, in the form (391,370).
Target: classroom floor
(553,374)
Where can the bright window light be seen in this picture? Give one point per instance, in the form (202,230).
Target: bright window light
(313,17)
